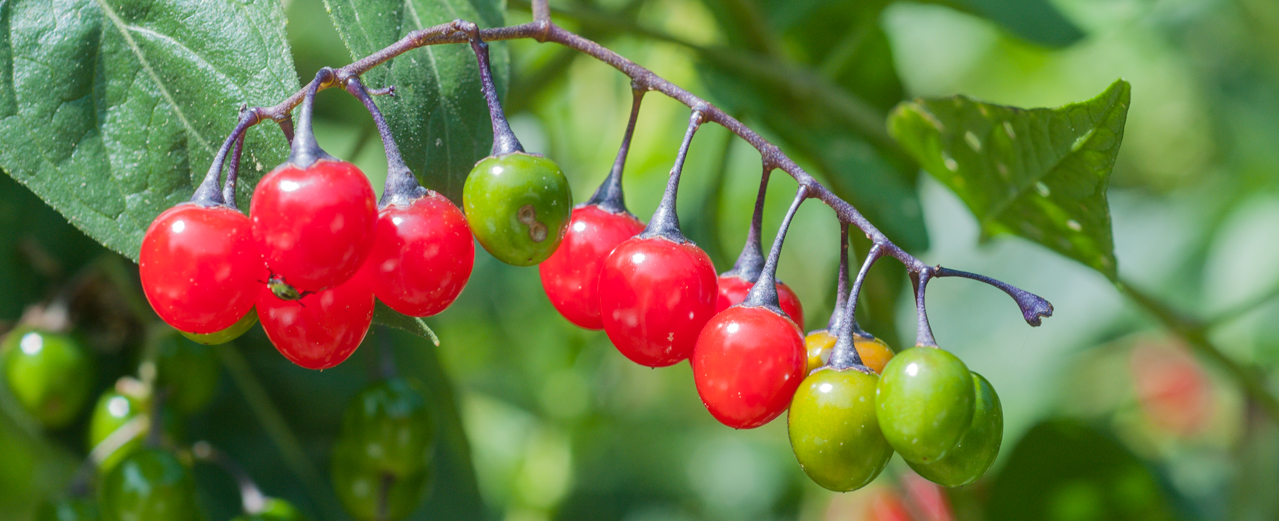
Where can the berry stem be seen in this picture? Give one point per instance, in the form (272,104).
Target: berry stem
(504,140)
(924,336)
(401,186)
(665,222)
(209,192)
(844,355)
(609,195)
(1033,307)
(233,171)
(750,263)
(841,289)
(764,291)
(306,150)
(251,498)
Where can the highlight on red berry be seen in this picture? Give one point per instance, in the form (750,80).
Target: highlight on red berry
(571,276)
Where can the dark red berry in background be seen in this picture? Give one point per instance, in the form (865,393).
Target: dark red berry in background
(421,257)
(319,330)
(747,364)
(733,290)
(200,267)
(571,276)
(314,226)
(655,296)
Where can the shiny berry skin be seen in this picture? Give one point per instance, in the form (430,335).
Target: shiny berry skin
(188,371)
(655,296)
(319,330)
(747,364)
(391,425)
(873,351)
(50,374)
(733,290)
(979,446)
(200,267)
(148,485)
(834,430)
(421,257)
(571,276)
(518,206)
(233,332)
(313,226)
(924,402)
(113,411)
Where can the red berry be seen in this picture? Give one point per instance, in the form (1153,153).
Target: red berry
(314,226)
(655,296)
(747,364)
(571,276)
(200,268)
(733,290)
(319,330)
(421,257)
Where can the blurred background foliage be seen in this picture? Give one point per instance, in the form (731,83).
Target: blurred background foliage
(1110,414)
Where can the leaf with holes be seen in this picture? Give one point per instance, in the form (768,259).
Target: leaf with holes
(438,115)
(1038,173)
(111,111)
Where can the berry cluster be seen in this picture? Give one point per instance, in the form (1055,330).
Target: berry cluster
(315,251)
(312,253)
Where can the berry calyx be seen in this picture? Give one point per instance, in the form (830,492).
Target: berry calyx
(319,330)
(518,206)
(655,297)
(925,403)
(200,267)
(733,289)
(571,275)
(50,374)
(421,257)
(747,363)
(977,449)
(834,430)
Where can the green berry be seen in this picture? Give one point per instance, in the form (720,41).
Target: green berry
(391,426)
(834,430)
(359,486)
(149,485)
(50,374)
(518,206)
(924,403)
(979,446)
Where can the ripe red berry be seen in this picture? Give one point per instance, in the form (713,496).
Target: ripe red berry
(421,257)
(571,276)
(200,267)
(655,296)
(733,290)
(747,364)
(314,226)
(321,329)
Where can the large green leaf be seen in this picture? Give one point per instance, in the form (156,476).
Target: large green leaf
(111,111)
(438,114)
(1039,173)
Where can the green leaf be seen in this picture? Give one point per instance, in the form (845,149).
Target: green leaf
(384,315)
(437,115)
(1038,173)
(111,111)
